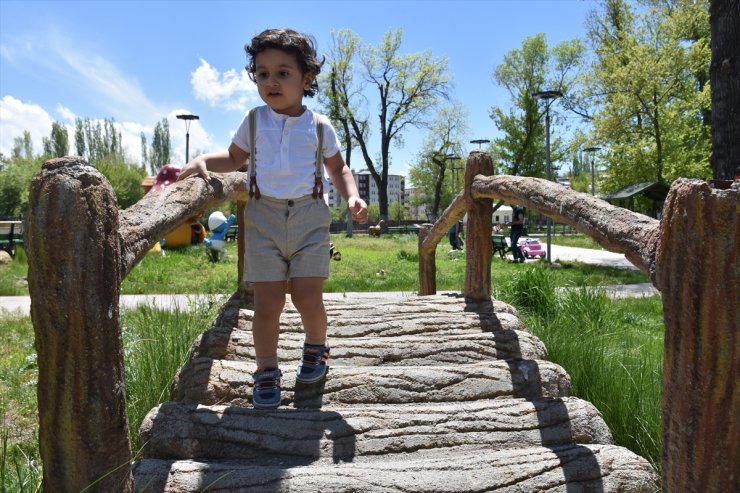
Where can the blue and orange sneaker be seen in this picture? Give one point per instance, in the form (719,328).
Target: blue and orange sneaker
(313,363)
(266,393)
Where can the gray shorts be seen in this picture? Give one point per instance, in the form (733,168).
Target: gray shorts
(286,238)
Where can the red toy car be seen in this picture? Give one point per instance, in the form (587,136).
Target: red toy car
(531,248)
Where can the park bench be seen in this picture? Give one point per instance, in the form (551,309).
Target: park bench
(406,229)
(11,235)
(498,243)
(232,233)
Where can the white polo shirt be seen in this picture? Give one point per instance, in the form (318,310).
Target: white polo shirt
(286,151)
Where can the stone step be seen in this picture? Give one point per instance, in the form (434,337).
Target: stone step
(209,381)
(558,469)
(186,431)
(473,347)
(421,315)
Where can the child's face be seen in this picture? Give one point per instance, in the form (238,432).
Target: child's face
(280,82)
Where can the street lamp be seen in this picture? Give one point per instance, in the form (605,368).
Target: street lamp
(188,119)
(548,97)
(479,142)
(593,151)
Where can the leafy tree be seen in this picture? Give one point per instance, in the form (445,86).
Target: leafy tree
(338,80)
(524,71)
(648,88)
(22,147)
(125,181)
(15,180)
(144,151)
(159,155)
(57,144)
(408,87)
(441,155)
(80,145)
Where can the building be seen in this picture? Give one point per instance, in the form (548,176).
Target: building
(369,190)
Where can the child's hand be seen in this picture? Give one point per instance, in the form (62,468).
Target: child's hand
(358,208)
(196,166)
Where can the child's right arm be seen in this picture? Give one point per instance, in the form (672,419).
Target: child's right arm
(221,162)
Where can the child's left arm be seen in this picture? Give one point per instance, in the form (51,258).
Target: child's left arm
(344,183)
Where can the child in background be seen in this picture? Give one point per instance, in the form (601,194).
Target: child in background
(286,218)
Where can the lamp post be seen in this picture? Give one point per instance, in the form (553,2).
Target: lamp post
(548,97)
(593,151)
(479,142)
(188,119)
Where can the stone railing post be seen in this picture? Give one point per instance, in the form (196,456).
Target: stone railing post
(478,234)
(697,274)
(74,277)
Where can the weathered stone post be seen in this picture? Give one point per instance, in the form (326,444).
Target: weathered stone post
(74,276)
(427,264)
(478,236)
(697,274)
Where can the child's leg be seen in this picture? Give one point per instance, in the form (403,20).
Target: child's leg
(307,296)
(269,300)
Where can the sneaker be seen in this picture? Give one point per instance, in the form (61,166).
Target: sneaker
(266,393)
(313,364)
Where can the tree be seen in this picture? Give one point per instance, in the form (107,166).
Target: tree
(524,71)
(144,151)
(441,152)
(57,144)
(649,92)
(725,77)
(408,87)
(22,147)
(80,146)
(159,154)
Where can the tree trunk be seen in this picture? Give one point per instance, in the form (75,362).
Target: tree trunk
(724,72)
(478,236)
(698,275)
(427,265)
(74,277)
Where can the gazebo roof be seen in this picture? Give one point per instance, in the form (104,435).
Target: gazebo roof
(654,190)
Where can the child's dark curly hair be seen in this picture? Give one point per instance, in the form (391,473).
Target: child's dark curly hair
(303,46)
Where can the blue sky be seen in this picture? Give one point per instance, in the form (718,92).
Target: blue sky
(141,61)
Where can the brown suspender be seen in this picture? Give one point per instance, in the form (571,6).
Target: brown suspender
(318,185)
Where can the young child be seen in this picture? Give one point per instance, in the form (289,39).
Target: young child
(286,218)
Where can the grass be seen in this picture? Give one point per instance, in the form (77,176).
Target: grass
(188,270)
(612,349)
(156,344)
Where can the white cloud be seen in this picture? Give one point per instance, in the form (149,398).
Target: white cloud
(67,115)
(17,117)
(230,90)
(121,96)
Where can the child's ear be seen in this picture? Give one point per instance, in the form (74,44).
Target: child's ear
(308,80)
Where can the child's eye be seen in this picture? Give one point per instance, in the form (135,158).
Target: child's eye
(262,75)
(284,73)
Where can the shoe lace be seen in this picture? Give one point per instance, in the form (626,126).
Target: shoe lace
(266,381)
(312,355)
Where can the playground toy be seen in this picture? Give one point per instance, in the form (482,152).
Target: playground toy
(219,226)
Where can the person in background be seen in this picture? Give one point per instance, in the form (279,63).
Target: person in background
(516,225)
(286,218)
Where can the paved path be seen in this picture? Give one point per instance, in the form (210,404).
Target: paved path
(22,304)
